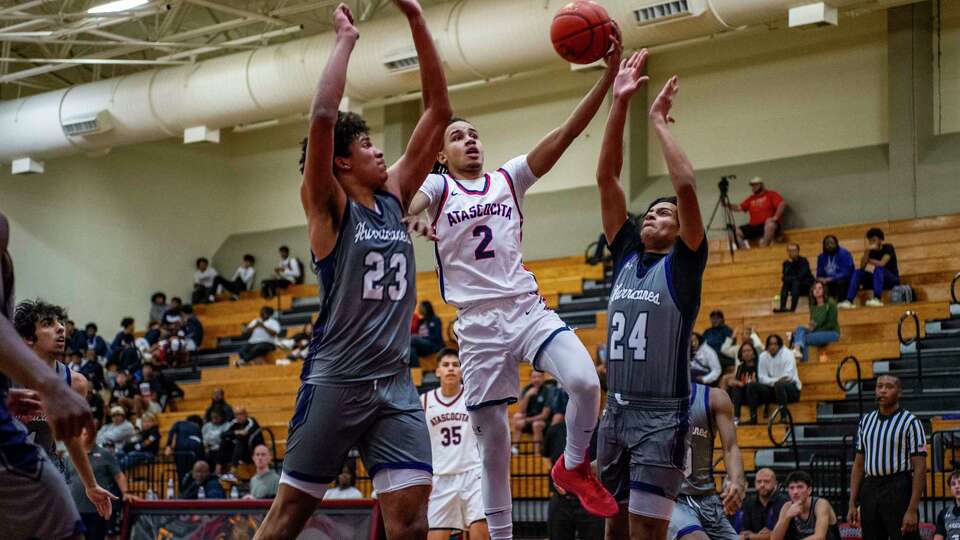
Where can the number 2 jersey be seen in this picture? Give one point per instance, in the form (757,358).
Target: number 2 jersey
(480,226)
(452,441)
(653,307)
(367,296)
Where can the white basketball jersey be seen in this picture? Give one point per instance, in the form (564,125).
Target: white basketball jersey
(452,440)
(480,226)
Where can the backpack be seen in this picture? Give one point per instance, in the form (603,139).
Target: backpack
(901,294)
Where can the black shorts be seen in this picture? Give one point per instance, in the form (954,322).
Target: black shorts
(752,232)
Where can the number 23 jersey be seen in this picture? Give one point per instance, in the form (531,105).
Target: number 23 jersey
(480,226)
(452,441)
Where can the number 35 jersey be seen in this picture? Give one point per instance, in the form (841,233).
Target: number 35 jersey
(367,296)
(452,441)
(480,226)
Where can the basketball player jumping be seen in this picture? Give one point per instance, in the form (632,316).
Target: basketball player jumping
(699,513)
(477,224)
(455,502)
(642,444)
(356,388)
(34,500)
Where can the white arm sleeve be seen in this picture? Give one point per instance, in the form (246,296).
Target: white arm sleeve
(519,171)
(713,362)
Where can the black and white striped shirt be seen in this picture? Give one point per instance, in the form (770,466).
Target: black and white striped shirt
(888,442)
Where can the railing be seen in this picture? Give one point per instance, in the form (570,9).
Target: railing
(859,382)
(155,474)
(953,288)
(782,416)
(915,340)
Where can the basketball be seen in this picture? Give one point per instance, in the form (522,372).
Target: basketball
(581,32)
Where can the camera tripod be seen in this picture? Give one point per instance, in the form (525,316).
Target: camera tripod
(729,224)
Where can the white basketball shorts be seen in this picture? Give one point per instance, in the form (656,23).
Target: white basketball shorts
(455,501)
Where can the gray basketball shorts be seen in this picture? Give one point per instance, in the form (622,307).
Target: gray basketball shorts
(700,513)
(643,446)
(383,418)
(35,502)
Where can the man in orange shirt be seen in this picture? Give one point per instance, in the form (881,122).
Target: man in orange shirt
(766,209)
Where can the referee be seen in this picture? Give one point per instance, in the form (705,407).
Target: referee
(890,464)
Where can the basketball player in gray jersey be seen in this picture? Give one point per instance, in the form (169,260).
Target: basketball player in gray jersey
(699,513)
(356,388)
(642,444)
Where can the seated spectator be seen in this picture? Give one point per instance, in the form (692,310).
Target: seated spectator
(823,327)
(299,344)
(263,332)
(152,335)
(185,443)
(162,388)
(239,439)
(534,411)
(90,340)
(731,345)
(345,487)
(71,335)
(746,374)
(265,482)
(796,279)
(127,356)
(799,518)
(124,391)
(213,438)
(89,367)
(158,306)
(218,403)
(147,401)
(716,335)
(947,526)
(835,268)
(704,362)
(174,308)
(200,484)
(192,329)
(145,444)
(242,279)
(118,431)
(766,213)
(762,509)
(288,271)
(126,329)
(203,279)
(97,407)
(777,379)
(429,336)
(71,359)
(878,269)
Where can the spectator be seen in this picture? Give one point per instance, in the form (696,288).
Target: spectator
(835,268)
(203,280)
(144,445)
(777,379)
(218,403)
(89,367)
(263,333)
(766,212)
(213,436)
(90,340)
(265,483)
(299,344)
(805,516)
(108,475)
(172,350)
(948,520)
(241,436)
(148,401)
(124,392)
(823,327)
(153,333)
(736,384)
(174,308)
(287,272)
(762,510)
(192,329)
(345,488)
(878,268)
(126,329)
(201,479)
(158,306)
(731,345)
(716,335)
(71,335)
(534,411)
(126,356)
(566,518)
(118,431)
(429,337)
(796,279)
(185,443)
(156,382)
(242,279)
(704,362)
(97,407)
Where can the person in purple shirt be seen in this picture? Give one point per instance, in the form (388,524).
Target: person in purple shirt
(834,268)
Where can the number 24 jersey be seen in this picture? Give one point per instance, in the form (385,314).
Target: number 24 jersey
(452,441)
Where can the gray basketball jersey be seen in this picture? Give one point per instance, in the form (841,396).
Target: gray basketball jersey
(38,430)
(700,480)
(648,341)
(367,294)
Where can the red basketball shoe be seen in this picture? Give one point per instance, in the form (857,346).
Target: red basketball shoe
(581,481)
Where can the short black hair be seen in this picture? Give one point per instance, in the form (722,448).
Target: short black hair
(154,296)
(196,419)
(800,476)
(896,379)
(875,232)
(671,199)
(284,248)
(176,300)
(91,325)
(716,313)
(29,313)
(447,351)
(202,260)
(188,309)
(440,168)
(775,337)
(126,321)
(250,258)
(349,126)
(267,310)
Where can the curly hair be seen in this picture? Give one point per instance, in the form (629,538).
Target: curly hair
(31,312)
(349,127)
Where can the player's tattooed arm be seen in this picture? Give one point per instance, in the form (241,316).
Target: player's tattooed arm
(409,172)
(322,197)
(613,201)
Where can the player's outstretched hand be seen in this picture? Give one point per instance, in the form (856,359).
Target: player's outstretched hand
(101,498)
(24,402)
(416,226)
(732,497)
(67,412)
(630,77)
(410,8)
(660,110)
(343,22)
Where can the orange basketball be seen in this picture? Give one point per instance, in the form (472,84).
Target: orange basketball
(581,32)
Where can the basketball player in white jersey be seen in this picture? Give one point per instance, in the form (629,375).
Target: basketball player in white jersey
(455,502)
(477,223)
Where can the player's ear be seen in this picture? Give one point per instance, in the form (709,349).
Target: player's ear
(442,158)
(342,163)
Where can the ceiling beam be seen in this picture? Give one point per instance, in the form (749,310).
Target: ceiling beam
(240,41)
(90,61)
(239,12)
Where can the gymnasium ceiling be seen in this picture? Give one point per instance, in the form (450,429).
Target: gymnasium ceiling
(50,44)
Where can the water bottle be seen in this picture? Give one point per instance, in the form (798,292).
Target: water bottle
(170,492)
(201,494)
(151,495)
(234,493)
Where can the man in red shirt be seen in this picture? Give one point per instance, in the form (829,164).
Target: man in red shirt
(766,209)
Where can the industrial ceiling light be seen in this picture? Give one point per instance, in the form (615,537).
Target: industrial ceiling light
(118,5)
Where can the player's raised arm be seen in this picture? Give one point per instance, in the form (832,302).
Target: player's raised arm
(409,172)
(322,197)
(548,151)
(613,201)
(679,167)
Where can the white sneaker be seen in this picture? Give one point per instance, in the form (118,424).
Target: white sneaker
(873,302)
(846,304)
